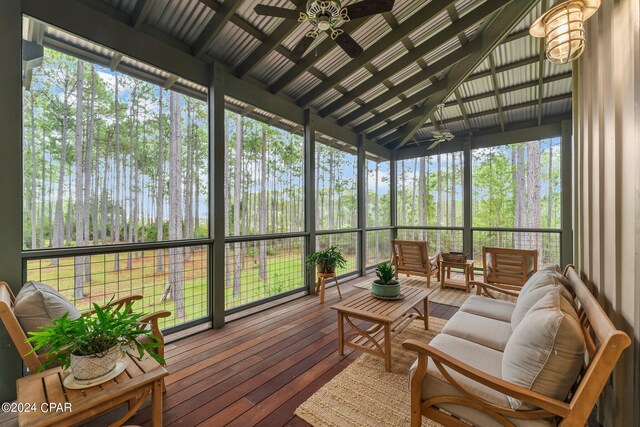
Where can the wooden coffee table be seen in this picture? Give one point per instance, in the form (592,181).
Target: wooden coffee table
(55,405)
(389,318)
(445,274)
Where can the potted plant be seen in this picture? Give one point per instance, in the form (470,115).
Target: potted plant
(93,343)
(327,260)
(385,285)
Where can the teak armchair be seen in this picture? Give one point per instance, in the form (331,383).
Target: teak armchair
(19,337)
(604,345)
(411,257)
(506,270)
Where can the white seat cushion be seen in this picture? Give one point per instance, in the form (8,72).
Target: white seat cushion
(546,350)
(488,307)
(477,356)
(481,330)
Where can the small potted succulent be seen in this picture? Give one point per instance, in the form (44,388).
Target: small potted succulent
(327,260)
(385,285)
(93,343)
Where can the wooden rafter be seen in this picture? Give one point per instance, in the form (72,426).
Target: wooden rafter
(307,62)
(499,27)
(406,85)
(463,110)
(215,26)
(512,88)
(386,42)
(277,36)
(140,12)
(496,90)
(402,106)
(115,61)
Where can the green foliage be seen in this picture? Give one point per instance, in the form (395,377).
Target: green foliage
(93,334)
(328,259)
(386,272)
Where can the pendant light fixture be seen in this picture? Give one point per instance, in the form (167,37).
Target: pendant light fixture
(562,26)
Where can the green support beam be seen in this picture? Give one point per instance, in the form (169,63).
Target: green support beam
(217,200)
(281,32)
(408,58)
(499,28)
(310,190)
(11,178)
(215,26)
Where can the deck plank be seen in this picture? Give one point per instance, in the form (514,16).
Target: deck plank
(256,370)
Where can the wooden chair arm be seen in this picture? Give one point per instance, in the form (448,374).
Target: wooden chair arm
(117,303)
(485,289)
(539,400)
(153,318)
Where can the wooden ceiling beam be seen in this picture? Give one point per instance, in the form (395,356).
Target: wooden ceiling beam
(463,110)
(404,86)
(531,103)
(513,88)
(215,26)
(497,30)
(401,106)
(140,12)
(407,27)
(275,38)
(496,89)
(307,62)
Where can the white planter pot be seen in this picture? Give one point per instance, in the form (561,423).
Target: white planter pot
(94,366)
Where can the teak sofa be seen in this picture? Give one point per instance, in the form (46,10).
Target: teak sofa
(411,257)
(548,370)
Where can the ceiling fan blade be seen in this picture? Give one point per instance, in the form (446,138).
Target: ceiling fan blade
(280,12)
(368,7)
(434,145)
(349,45)
(301,48)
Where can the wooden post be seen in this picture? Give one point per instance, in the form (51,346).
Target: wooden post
(11,178)
(467,233)
(362,207)
(566,238)
(310,190)
(216,200)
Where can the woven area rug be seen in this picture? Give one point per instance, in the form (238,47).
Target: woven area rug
(364,395)
(449,296)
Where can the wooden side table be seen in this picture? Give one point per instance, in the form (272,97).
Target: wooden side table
(55,405)
(322,283)
(445,274)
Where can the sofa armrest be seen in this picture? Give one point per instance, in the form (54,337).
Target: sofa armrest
(486,289)
(549,406)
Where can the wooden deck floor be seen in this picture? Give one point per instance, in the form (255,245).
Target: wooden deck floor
(256,370)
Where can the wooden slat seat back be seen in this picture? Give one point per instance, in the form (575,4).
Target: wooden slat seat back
(412,257)
(604,345)
(7,301)
(511,267)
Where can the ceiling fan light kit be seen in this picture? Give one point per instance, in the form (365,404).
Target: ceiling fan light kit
(562,27)
(327,16)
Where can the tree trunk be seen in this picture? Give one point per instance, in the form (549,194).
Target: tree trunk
(116,161)
(262,220)
(160,187)
(58,221)
(521,203)
(237,193)
(78,290)
(176,260)
(534,205)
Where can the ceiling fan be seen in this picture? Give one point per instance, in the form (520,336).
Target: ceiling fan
(440,134)
(327,16)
